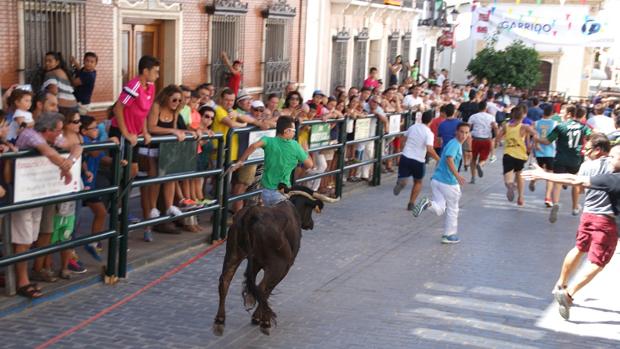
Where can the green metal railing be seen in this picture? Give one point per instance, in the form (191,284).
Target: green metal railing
(119,190)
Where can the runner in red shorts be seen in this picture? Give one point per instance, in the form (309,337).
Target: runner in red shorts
(483,126)
(597,234)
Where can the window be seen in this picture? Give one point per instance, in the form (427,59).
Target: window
(278,45)
(431,61)
(227,28)
(391,54)
(360,49)
(339,59)
(406,47)
(52,25)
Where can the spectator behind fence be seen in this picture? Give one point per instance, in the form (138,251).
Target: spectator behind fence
(132,108)
(56,80)
(20,101)
(235,69)
(84,80)
(25,224)
(46,103)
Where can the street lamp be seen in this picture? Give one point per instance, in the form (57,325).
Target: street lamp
(455,14)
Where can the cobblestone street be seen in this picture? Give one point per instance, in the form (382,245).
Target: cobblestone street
(368,276)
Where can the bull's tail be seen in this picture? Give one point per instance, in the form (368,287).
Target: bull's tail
(250,290)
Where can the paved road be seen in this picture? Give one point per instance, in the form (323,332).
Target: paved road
(368,276)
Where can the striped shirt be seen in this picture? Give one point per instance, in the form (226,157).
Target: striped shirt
(65,89)
(137,101)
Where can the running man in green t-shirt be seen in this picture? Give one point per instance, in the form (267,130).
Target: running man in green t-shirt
(570,137)
(282,155)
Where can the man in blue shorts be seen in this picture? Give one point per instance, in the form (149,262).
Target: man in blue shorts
(419,142)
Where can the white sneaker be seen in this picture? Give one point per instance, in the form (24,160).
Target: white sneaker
(154,213)
(174,211)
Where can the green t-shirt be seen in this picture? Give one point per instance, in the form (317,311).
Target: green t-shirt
(281,157)
(570,136)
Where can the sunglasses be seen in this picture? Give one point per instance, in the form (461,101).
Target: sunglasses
(207,116)
(259,109)
(76,121)
(176,100)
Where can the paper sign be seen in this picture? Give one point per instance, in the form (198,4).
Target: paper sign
(38,177)
(319,135)
(362,129)
(394,123)
(254,137)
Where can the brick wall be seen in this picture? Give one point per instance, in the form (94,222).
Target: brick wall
(9,54)
(195,40)
(99,39)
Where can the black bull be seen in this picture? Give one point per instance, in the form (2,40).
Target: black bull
(269,238)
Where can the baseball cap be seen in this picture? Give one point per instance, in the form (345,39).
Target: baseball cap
(318,92)
(257,104)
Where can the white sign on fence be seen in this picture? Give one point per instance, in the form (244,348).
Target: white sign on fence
(362,128)
(254,137)
(38,177)
(395,123)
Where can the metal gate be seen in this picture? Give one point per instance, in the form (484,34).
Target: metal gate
(406,46)
(360,50)
(227,33)
(339,59)
(392,53)
(52,25)
(277,55)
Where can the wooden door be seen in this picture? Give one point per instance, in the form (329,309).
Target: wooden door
(138,40)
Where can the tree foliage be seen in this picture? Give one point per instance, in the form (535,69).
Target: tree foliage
(517,65)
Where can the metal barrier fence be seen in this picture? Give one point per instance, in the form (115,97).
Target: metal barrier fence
(119,190)
(8,258)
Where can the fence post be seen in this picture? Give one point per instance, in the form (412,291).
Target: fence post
(342,139)
(7,250)
(225,184)
(217,215)
(110,270)
(376,173)
(124,222)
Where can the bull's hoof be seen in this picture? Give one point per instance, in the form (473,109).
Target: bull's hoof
(266,330)
(218,326)
(255,321)
(248,301)
(218,329)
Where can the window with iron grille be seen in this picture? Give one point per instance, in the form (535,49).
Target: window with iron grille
(227,33)
(360,51)
(431,61)
(52,25)
(406,46)
(392,52)
(339,59)
(277,54)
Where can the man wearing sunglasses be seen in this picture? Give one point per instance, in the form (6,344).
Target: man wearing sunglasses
(282,155)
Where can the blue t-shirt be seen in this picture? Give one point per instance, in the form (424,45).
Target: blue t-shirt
(535,113)
(443,174)
(83,92)
(543,128)
(447,130)
(92,164)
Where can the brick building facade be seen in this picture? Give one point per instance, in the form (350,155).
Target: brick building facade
(267,35)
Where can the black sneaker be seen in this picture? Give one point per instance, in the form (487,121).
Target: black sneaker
(479,168)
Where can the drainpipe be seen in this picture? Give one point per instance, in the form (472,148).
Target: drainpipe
(301,9)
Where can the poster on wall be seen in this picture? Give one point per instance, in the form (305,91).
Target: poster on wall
(554,25)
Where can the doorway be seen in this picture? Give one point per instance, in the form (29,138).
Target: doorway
(374,56)
(544,84)
(138,40)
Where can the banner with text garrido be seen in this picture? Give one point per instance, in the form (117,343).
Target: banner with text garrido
(539,24)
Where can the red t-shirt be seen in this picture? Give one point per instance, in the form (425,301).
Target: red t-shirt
(235,82)
(371,83)
(434,126)
(137,101)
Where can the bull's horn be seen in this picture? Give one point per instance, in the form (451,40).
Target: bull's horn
(302,193)
(325,198)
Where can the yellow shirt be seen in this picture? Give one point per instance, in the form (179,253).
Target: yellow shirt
(515,142)
(219,127)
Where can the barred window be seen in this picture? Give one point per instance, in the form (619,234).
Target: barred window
(360,51)
(52,25)
(227,33)
(392,52)
(406,47)
(339,59)
(277,54)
